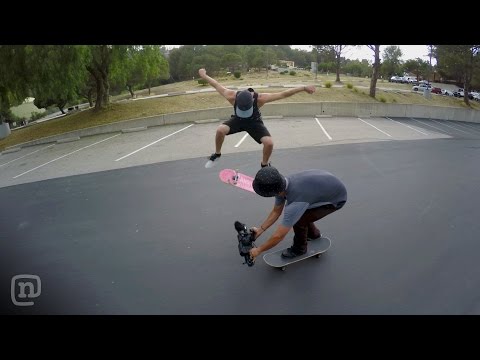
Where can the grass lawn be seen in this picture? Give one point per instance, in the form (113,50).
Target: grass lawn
(124,110)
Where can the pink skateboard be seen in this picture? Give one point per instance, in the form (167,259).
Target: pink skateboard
(239,180)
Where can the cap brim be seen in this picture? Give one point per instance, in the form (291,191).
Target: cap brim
(244,113)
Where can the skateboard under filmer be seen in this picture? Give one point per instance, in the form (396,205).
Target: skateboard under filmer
(315,248)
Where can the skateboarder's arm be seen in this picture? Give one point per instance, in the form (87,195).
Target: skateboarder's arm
(222,90)
(271,219)
(264,98)
(277,236)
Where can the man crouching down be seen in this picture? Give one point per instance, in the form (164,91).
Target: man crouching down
(306,196)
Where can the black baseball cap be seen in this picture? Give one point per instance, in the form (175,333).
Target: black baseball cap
(269,182)
(244,104)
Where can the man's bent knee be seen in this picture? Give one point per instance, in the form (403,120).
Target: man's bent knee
(223,129)
(267,141)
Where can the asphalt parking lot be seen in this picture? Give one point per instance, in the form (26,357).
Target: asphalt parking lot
(132,223)
(185,141)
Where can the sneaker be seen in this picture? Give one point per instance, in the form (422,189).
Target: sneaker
(291,252)
(211,160)
(265,165)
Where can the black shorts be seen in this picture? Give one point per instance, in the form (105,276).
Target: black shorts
(255,128)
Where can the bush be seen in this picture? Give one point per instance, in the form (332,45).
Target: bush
(36,115)
(382,99)
(355,89)
(293,73)
(202,82)
(328,84)
(237,74)
(350,86)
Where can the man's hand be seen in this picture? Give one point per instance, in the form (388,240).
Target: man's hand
(254,252)
(202,72)
(310,89)
(256,231)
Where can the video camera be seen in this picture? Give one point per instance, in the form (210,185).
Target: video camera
(246,241)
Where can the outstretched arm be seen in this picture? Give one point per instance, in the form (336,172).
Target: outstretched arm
(222,90)
(277,236)
(264,98)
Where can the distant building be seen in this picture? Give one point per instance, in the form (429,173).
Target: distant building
(289,64)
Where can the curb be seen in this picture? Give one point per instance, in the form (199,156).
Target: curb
(11,150)
(70,139)
(129,130)
(207,121)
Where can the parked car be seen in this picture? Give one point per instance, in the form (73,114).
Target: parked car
(447,92)
(421,87)
(436,90)
(398,79)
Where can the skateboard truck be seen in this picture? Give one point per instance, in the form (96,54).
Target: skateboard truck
(235,177)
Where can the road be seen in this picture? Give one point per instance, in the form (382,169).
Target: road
(131,224)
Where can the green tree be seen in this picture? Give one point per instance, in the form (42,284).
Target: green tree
(56,73)
(13,79)
(207,61)
(231,61)
(174,64)
(357,68)
(103,59)
(417,66)
(100,59)
(324,55)
(338,50)
(154,63)
(138,66)
(461,61)
(376,69)
(253,55)
(391,61)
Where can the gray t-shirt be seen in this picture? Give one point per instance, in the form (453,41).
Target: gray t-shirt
(307,190)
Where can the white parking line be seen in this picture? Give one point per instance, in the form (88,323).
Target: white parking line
(375,127)
(146,146)
(430,126)
(470,126)
(398,122)
(61,157)
(466,126)
(33,152)
(454,128)
(318,122)
(241,140)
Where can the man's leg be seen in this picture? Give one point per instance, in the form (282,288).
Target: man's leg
(313,232)
(220,134)
(267,142)
(222,131)
(301,228)
(261,135)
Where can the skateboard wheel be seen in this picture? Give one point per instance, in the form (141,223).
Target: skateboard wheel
(283,268)
(318,255)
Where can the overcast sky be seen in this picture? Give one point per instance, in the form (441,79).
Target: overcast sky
(363,52)
(408,52)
